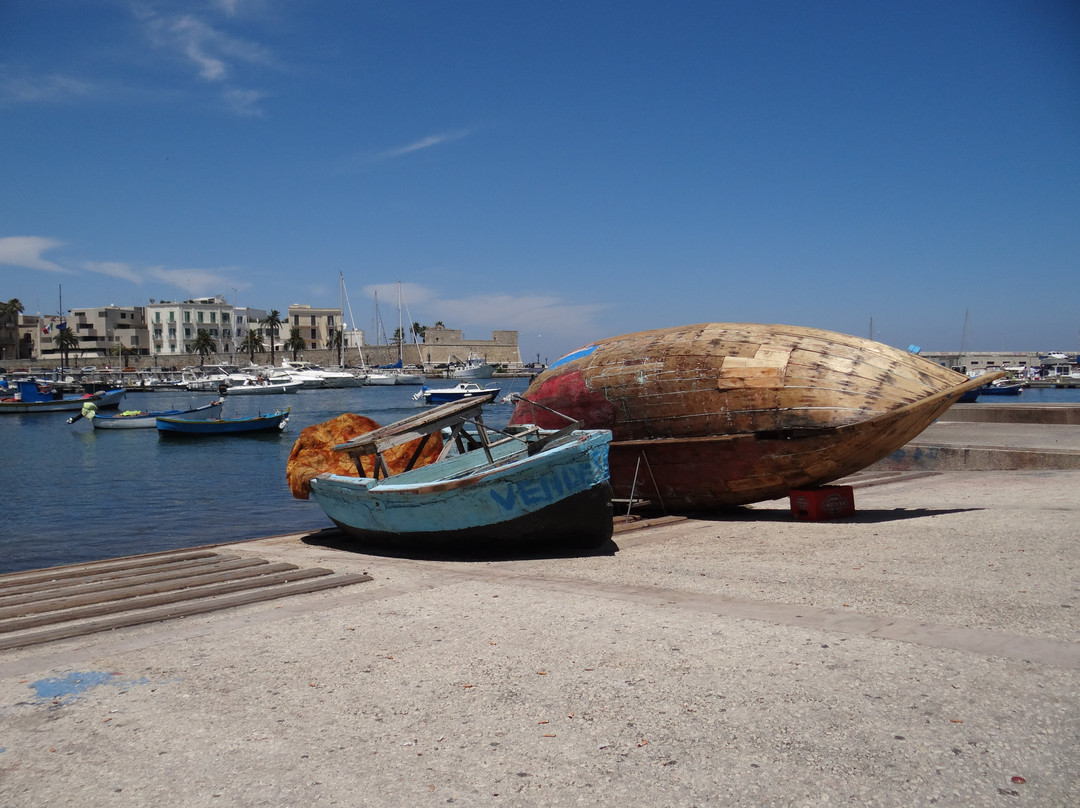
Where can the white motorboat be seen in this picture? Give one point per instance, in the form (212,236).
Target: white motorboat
(474,368)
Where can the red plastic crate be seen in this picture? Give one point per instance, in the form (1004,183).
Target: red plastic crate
(819,504)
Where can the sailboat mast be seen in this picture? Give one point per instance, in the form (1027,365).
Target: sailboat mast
(341,326)
(401,332)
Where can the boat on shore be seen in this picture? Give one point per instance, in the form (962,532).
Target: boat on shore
(137,419)
(31,396)
(716,415)
(188,427)
(502,490)
(462,390)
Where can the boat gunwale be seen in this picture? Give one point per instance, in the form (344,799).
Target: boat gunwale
(471,475)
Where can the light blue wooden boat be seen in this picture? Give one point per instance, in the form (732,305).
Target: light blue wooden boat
(520,488)
(269,422)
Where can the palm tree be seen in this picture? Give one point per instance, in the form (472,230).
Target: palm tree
(273,322)
(252,343)
(9,321)
(66,340)
(295,342)
(10,311)
(419,330)
(336,342)
(203,345)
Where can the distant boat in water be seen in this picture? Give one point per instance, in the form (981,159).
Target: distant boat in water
(185,427)
(30,396)
(441,395)
(148,420)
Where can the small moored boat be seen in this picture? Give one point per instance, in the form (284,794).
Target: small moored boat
(148,420)
(254,387)
(269,422)
(442,395)
(30,396)
(502,490)
(474,368)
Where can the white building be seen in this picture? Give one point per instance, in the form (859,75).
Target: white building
(174,325)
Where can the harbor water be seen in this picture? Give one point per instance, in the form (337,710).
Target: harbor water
(72,493)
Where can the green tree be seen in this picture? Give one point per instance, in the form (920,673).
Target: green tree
(66,340)
(10,311)
(419,330)
(336,342)
(203,345)
(273,322)
(295,342)
(252,343)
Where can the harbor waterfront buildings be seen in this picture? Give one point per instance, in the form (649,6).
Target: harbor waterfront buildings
(161,335)
(163,331)
(1019,364)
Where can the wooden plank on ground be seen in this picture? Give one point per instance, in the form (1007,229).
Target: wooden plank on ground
(75,570)
(96,583)
(252,575)
(203,606)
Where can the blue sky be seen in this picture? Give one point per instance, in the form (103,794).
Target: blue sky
(572,170)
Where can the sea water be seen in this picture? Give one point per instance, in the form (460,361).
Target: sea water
(70,493)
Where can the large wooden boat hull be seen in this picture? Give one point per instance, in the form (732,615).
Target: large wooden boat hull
(715,415)
(556,496)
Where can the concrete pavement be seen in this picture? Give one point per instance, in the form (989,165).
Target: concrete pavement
(922,653)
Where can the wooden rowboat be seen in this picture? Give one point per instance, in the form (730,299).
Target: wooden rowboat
(500,491)
(715,415)
(148,420)
(184,427)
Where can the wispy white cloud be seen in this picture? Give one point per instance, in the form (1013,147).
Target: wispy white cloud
(567,324)
(199,282)
(425,143)
(114,269)
(27,252)
(215,55)
(49,89)
(244,102)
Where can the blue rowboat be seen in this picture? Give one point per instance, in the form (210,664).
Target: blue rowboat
(148,420)
(269,422)
(33,397)
(524,488)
